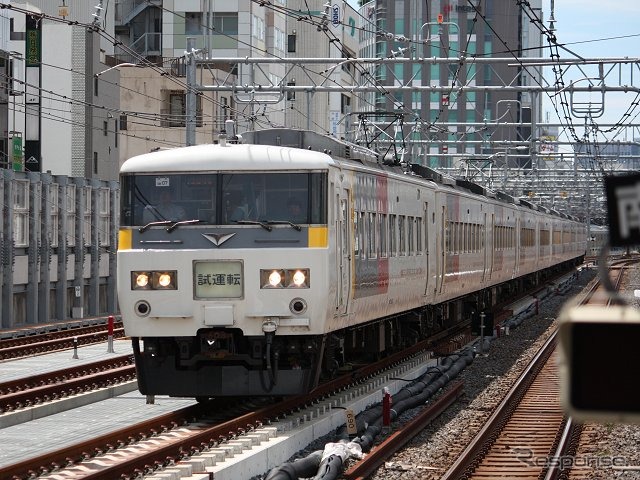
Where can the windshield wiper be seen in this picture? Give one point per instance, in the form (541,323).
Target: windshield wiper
(151,224)
(284,222)
(182,222)
(255,222)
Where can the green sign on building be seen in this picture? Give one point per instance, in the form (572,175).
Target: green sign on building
(16,154)
(33,44)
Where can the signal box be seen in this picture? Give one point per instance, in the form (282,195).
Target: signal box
(600,363)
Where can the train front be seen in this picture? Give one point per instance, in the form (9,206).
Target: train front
(223,269)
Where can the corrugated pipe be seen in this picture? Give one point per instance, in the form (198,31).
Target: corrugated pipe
(329,464)
(301,468)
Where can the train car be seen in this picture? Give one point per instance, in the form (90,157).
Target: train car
(262,265)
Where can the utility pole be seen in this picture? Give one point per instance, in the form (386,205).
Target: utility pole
(190,107)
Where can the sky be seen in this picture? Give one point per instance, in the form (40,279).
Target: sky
(588,28)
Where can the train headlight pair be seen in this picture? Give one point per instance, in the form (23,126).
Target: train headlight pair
(154,280)
(291,278)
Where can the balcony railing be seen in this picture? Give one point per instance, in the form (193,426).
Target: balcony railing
(148,45)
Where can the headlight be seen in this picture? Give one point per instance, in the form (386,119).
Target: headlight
(275,278)
(140,280)
(299,278)
(156,280)
(271,278)
(292,278)
(164,280)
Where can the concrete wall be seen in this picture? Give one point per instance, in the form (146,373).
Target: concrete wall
(57,262)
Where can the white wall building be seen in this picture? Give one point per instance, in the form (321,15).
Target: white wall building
(68,127)
(155,33)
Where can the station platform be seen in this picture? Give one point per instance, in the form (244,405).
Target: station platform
(34,431)
(49,362)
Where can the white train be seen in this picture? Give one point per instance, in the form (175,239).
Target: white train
(230,289)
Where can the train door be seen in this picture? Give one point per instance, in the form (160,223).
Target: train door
(442,257)
(488,245)
(483,234)
(425,241)
(516,245)
(343,252)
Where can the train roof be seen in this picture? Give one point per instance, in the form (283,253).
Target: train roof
(308,140)
(225,157)
(280,148)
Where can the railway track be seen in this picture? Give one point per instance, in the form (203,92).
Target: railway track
(196,432)
(103,458)
(37,389)
(528,432)
(53,341)
(521,431)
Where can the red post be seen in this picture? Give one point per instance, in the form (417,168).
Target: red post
(110,334)
(386,408)
(75,347)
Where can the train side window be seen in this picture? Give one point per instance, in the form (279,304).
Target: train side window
(467,238)
(401,230)
(392,236)
(410,236)
(371,230)
(363,235)
(382,219)
(452,237)
(474,237)
(447,236)
(356,235)
(419,246)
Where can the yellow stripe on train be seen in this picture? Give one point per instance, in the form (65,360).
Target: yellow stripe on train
(318,237)
(124,239)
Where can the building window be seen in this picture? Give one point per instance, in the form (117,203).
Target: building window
(345,103)
(86,224)
(348,67)
(13,35)
(21,213)
(95,163)
(176,114)
(95,86)
(105,127)
(70,209)
(104,210)
(123,122)
(279,40)
(291,42)
(177,109)
(193,23)
(257,28)
(225,24)
(291,95)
